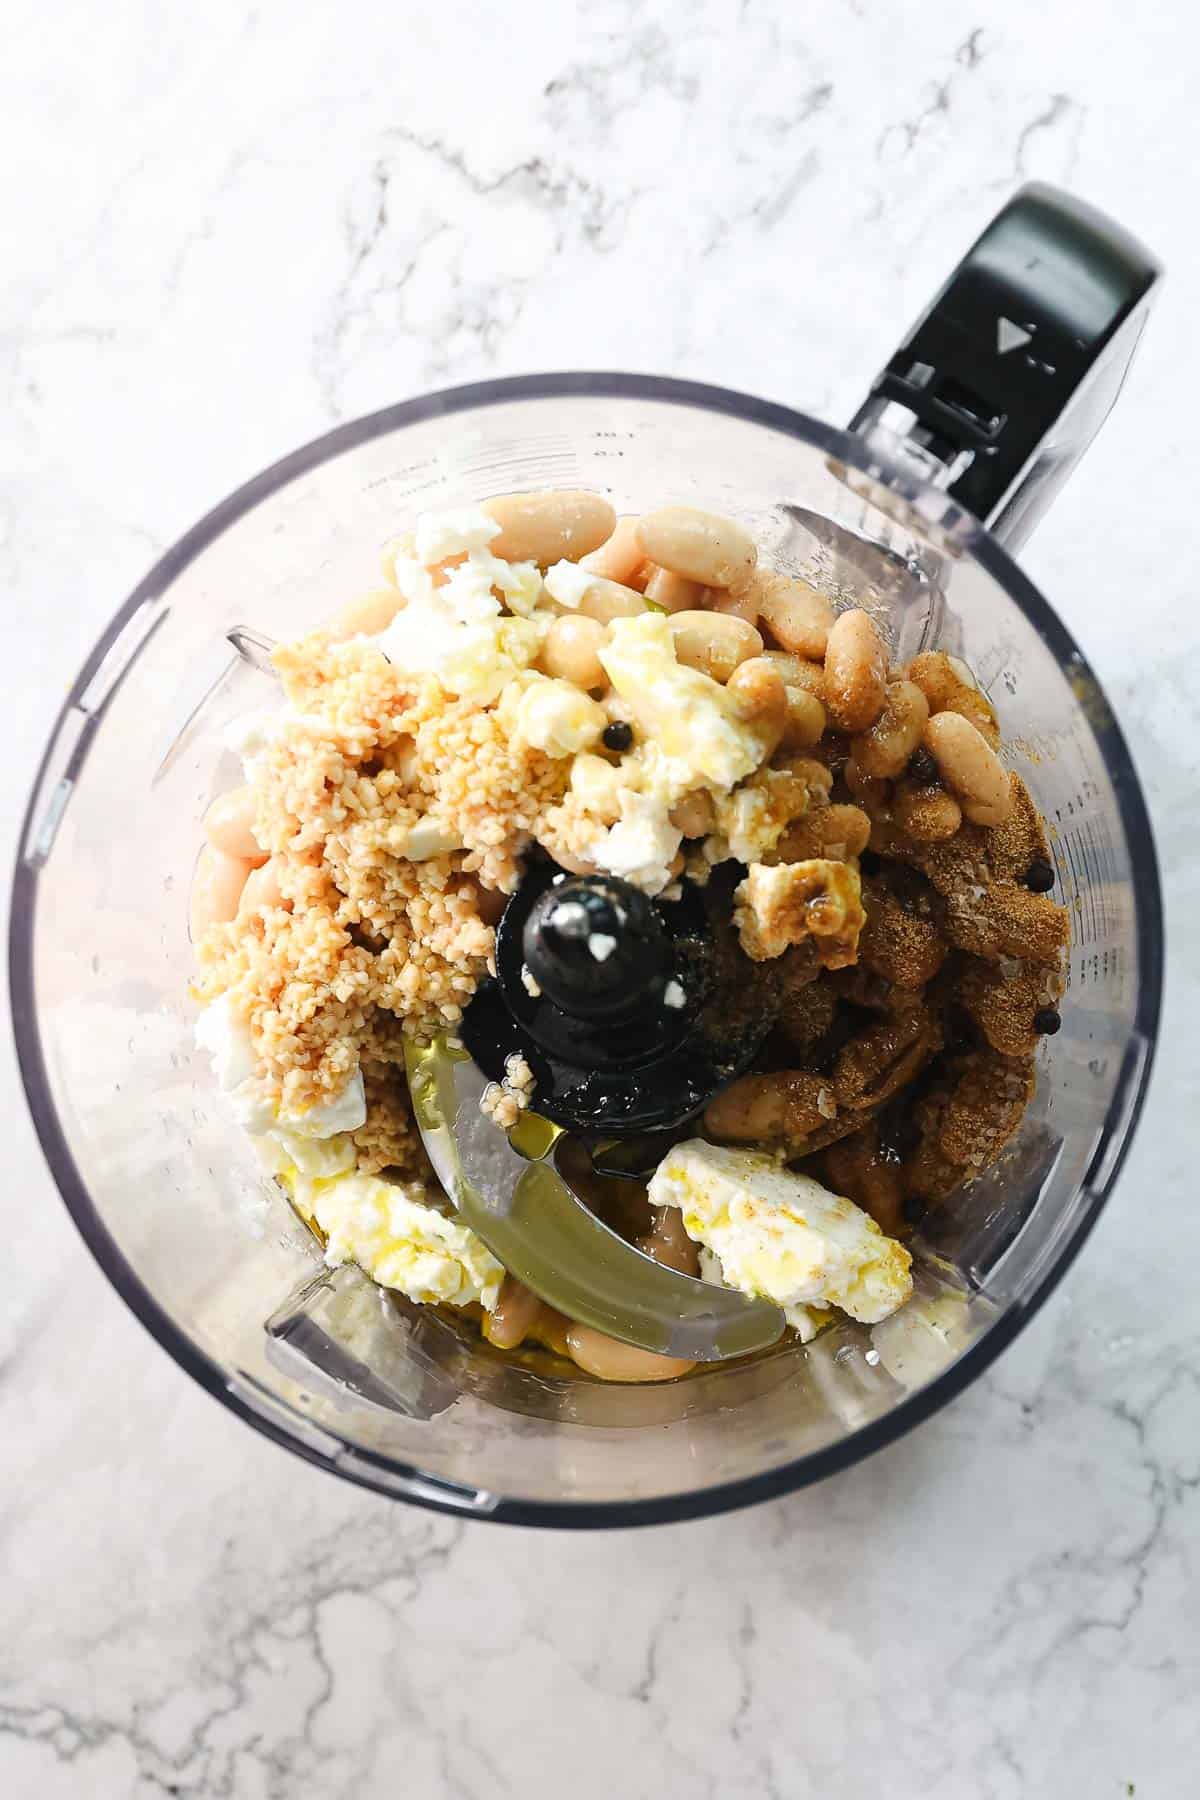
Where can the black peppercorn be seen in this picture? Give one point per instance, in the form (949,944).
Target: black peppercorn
(870,862)
(1047,1020)
(617,736)
(922,768)
(1039,877)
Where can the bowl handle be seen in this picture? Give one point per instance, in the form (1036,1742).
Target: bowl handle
(1004,381)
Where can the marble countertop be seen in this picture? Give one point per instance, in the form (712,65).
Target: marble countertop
(227,229)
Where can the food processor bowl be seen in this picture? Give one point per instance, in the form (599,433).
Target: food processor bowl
(167,1190)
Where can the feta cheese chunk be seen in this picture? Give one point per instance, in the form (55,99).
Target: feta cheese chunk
(775,907)
(285,1152)
(346,1111)
(430,836)
(223,1034)
(257,1109)
(252,734)
(397,1240)
(641,846)
(556,716)
(598,785)
(693,720)
(442,534)
(567,583)
(782,1236)
(520,583)
(456,631)
(452,635)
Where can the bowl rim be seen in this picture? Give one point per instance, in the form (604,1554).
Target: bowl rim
(371,1469)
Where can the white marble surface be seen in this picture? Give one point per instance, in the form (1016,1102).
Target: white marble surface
(227,227)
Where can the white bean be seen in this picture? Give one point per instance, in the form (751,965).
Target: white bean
(884,748)
(855,672)
(762,699)
(713,643)
(216,890)
(701,545)
(366,617)
(795,614)
(798,671)
(970,768)
(805,720)
(262,890)
(668,1242)
(741,603)
(509,1322)
(608,600)
(674,593)
(930,815)
(571,651)
(610,1360)
(941,680)
(229,826)
(620,556)
(561,523)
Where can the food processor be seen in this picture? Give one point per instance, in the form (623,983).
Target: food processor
(911,514)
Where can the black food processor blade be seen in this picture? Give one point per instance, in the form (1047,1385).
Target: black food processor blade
(631,1014)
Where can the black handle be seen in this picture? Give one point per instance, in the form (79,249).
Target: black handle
(1002,385)
(596,947)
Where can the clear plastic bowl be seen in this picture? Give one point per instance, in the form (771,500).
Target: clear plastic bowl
(168,1193)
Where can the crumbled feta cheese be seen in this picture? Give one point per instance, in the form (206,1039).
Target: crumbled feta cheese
(673,995)
(224,1034)
(452,635)
(400,1242)
(693,719)
(567,583)
(782,1236)
(601,945)
(520,583)
(530,982)
(255,1106)
(442,534)
(777,906)
(251,735)
(319,1158)
(429,837)
(641,846)
(345,1112)
(598,785)
(555,716)
(414,581)
(467,590)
